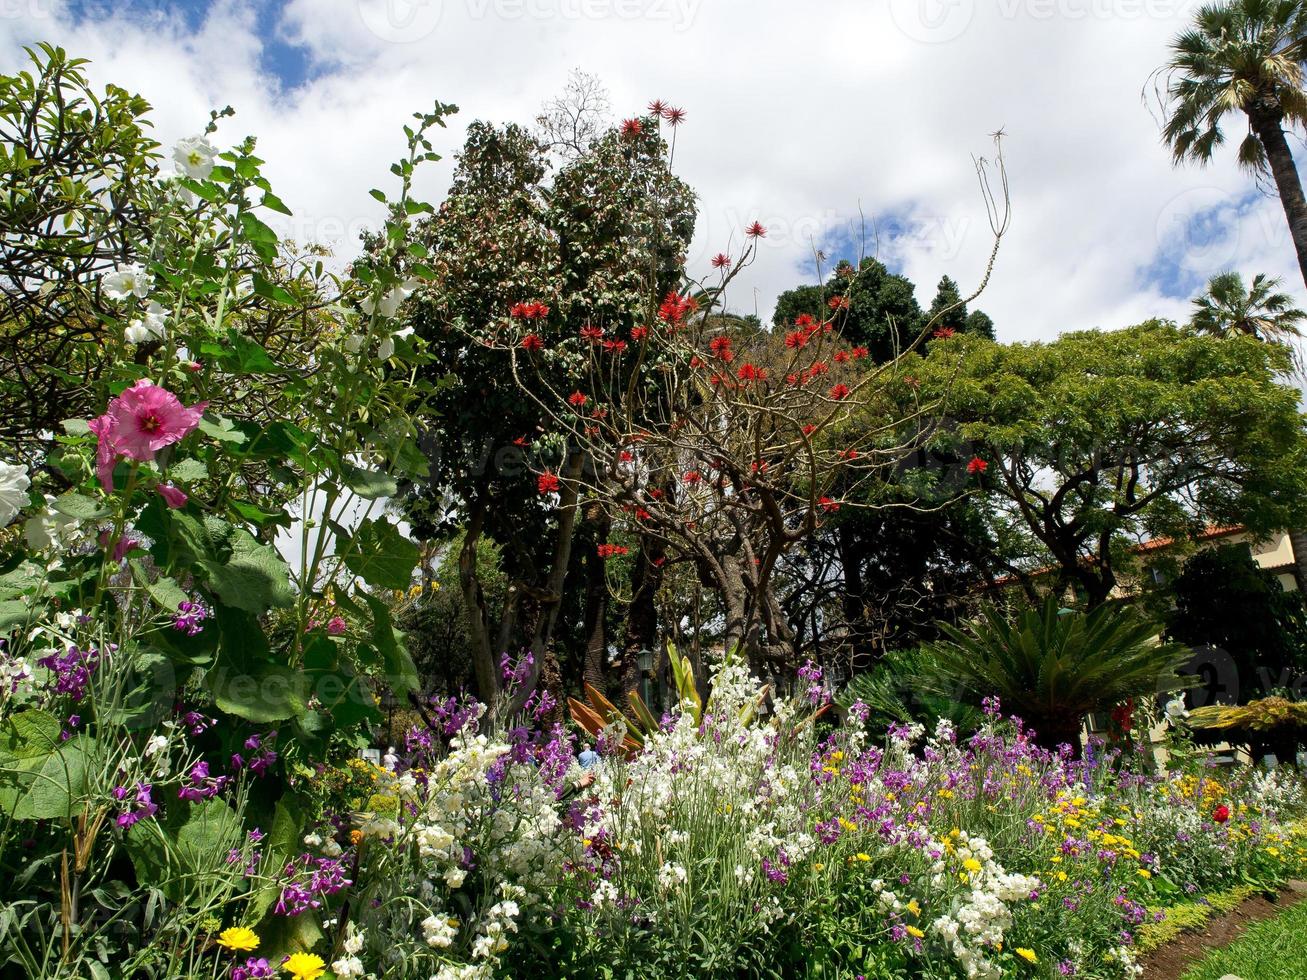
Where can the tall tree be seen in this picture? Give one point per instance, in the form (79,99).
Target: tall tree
(1243,56)
(1099,440)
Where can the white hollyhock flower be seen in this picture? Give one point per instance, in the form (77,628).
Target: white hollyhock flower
(1175,711)
(125,281)
(152,326)
(194,156)
(13,491)
(50,529)
(386,350)
(391,300)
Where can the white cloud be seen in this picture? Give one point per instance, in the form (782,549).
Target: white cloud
(798,116)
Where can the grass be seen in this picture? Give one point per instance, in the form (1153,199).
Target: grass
(1273,949)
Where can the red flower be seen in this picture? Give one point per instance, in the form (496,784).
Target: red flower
(639,333)
(674,116)
(632,127)
(607,551)
(749,372)
(641,514)
(721,261)
(576,398)
(522,442)
(756,230)
(625,456)
(532,342)
(840,392)
(838,302)
(828,505)
(1221,814)
(841,357)
(592,334)
(818,368)
(796,339)
(692,477)
(850,454)
(911,381)
(807,321)
(614,346)
(538,311)
(675,307)
(944,333)
(657,107)
(860,352)
(720,346)
(977,465)
(809,429)
(517,311)
(547,482)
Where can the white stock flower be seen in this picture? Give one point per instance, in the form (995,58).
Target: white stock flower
(50,529)
(125,281)
(439,930)
(13,491)
(153,326)
(194,156)
(347,966)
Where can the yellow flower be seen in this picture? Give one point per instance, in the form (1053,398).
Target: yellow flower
(914,932)
(304,966)
(238,939)
(1144,873)
(972,865)
(914,908)
(1027,954)
(863,857)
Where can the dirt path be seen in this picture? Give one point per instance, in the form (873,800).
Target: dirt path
(1172,960)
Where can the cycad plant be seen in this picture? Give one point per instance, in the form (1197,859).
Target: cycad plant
(1052,666)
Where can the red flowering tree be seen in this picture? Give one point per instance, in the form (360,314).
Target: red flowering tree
(523,264)
(718,441)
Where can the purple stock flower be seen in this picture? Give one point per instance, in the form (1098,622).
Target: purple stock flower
(72,670)
(253,969)
(190,617)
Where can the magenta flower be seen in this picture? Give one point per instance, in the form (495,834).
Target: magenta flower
(142,420)
(174,497)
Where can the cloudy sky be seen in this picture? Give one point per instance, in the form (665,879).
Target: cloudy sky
(800,115)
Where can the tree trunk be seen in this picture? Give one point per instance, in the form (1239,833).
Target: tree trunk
(642,616)
(474,607)
(1265,116)
(595,671)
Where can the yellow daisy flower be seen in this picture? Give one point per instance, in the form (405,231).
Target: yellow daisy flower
(304,966)
(238,939)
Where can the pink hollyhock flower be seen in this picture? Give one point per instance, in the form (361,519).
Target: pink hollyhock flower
(146,418)
(142,420)
(336,626)
(172,496)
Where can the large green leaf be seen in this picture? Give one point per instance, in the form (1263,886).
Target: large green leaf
(184,853)
(380,555)
(401,673)
(41,777)
(251,576)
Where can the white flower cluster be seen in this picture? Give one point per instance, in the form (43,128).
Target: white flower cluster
(980,917)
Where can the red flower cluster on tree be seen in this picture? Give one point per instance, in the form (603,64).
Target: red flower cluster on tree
(750,372)
(632,127)
(691,477)
(639,333)
(607,551)
(721,347)
(841,357)
(721,261)
(547,482)
(839,392)
(675,308)
(532,342)
(657,107)
(796,339)
(860,352)
(977,465)
(576,399)
(809,429)
(592,334)
(944,333)
(529,311)
(838,302)
(673,115)
(756,230)
(829,505)
(614,346)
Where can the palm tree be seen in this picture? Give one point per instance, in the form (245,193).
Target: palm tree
(1243,56)
(1228,308)
(1053,666)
